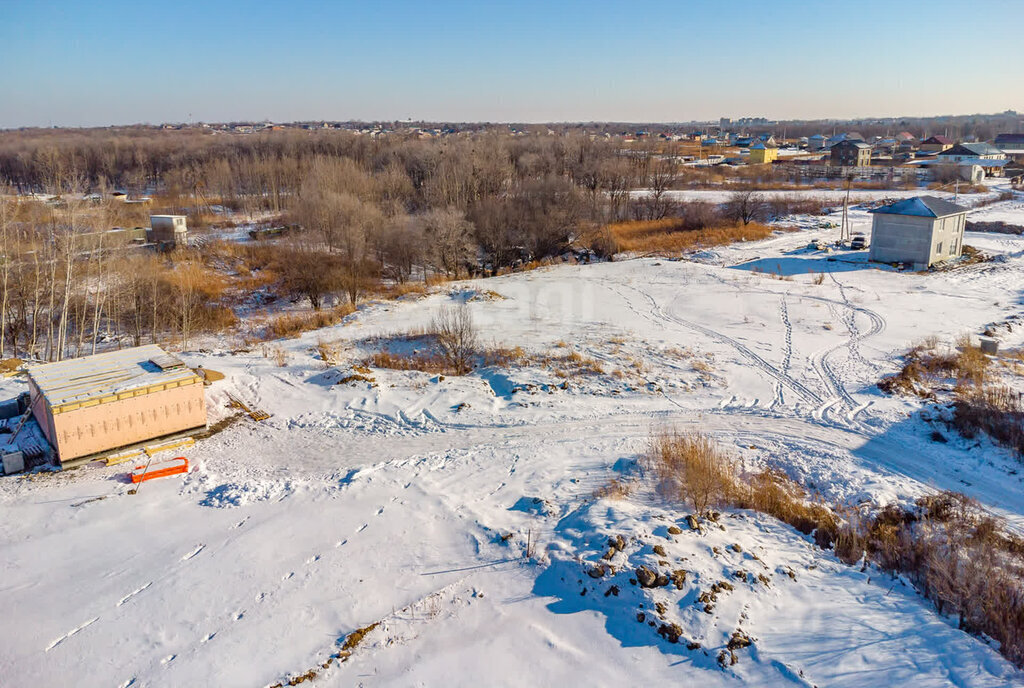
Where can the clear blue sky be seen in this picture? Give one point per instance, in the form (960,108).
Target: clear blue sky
(96,62)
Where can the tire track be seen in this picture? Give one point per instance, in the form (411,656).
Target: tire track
(758,362)
(821,360)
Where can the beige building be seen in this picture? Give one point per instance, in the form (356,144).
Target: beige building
(97,403)
(917,231)
(168,230)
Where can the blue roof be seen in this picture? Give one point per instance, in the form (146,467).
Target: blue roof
(921,206)
(983,162)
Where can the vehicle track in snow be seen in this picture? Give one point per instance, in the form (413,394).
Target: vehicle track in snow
(663,316)
(821,361)
(787,356)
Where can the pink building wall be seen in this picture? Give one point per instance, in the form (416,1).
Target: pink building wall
(92,429)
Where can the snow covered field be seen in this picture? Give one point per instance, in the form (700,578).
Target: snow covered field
(409,502)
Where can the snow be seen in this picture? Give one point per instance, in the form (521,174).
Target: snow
(409,501)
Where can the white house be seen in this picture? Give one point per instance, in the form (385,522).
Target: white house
(919,231)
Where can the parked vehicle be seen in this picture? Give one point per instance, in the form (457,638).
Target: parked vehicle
(858,242)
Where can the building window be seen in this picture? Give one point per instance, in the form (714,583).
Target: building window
(938,249)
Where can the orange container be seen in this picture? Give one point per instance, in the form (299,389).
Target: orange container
(161,469)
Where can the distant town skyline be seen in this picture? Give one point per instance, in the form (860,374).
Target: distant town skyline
(70,64)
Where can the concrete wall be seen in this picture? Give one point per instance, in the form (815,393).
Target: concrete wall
(119,423)
(900,239)
(916,240)
(947,239)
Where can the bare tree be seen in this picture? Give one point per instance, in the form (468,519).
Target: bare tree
(457,336)
(450,240)
(745,206)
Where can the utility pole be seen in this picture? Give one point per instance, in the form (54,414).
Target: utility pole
(844,228)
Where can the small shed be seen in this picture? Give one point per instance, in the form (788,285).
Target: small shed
(920,231)
(101,402)
(168,230)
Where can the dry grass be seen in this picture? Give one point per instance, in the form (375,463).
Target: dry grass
(278,355)
(616,488)
(294,324)
(570,364)
(504,357)
(981,405)
(401,290)
(958,556)
(668,237)
(995,410)
(690,467)
(329,352)
(926,367)
(429,362)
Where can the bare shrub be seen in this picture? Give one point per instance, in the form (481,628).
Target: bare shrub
(329,352)
(457,336)
(280,356)
(958,556)
(996,411)
(745,207)
(616,488)
(690,466)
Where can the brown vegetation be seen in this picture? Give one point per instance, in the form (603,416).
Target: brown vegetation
(981,404)
(668,236)
(294,324)
(957,555)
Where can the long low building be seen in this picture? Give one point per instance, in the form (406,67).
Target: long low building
(93,404)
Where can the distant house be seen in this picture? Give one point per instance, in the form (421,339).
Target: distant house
(936,144)
(990,158)
(744,141)
(763,153)
(963,151)
(919,231)
(851,136)
(850,154)
(816,142)
(1011,144)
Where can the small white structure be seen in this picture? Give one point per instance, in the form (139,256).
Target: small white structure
(920,231)
(168,230)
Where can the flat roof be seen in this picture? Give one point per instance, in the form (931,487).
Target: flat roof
(114,372)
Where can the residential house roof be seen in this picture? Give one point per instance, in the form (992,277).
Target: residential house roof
(984,162)
(921,206)
(974,149)
(855,144)
(942,140)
